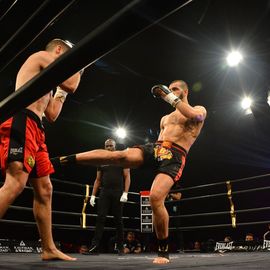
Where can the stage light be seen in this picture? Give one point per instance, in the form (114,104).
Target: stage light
(268,98)
(121,133)
(234,58)
(246,103)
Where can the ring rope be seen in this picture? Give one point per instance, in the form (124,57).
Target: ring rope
(128,229)
(220,194)
(15,207)
(175,190)
(137,218)
(68,194)
(229,195)
(223,182)
(134,193)
(220,225)
(78,195)
(82,196)
(168,202)
(75,195)
(250,190)
(199,197)
(36,13)
(62,226)
(86,52)
(68,182)
(65,213)
(83,185)
(221,212)
(40,32)
(181,189)
(7,11)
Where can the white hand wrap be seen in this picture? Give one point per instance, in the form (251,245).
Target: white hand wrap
(60,94)
(124,197)
(92,200)
(172,99)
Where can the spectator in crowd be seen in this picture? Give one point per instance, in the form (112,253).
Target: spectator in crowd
(227,239)
(83,249)
(249,237)
(131,244)
(197,246)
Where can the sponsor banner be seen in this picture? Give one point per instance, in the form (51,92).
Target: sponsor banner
(146,228)
(146,213)
(242,246)
(146,219)
(266,244)
(224,246)
(19,246)
(146,210)
(145,200)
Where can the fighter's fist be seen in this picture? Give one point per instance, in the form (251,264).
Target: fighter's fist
(162,91)
(92,200)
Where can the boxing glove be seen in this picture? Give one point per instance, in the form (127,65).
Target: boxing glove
(162,91)
(92,200)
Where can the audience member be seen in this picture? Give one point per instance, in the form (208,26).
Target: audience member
(227,239)
(83,249)
(249,237)
(131,244)
(197,246)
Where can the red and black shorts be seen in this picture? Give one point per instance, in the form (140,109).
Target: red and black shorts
(168,158)
(23,139)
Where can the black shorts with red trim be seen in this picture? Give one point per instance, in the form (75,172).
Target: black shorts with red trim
(167,157)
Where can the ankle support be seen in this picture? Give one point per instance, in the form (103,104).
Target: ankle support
(68,160)
(163,248)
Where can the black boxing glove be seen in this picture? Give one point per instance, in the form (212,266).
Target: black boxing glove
(162,91)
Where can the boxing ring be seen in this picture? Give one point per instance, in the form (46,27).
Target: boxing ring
(76,220)
(185,259)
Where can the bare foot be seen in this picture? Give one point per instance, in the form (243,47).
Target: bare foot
(161,260)
(56,255)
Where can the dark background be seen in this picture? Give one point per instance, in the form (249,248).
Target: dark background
(190,44)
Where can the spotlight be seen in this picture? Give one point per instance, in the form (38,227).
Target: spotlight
(121,133)
(234,58)
(246,103)
(268,98)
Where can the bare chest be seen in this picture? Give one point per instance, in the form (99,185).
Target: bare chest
(177,119)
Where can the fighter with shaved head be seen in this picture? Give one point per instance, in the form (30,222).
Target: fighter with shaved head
(178,132)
